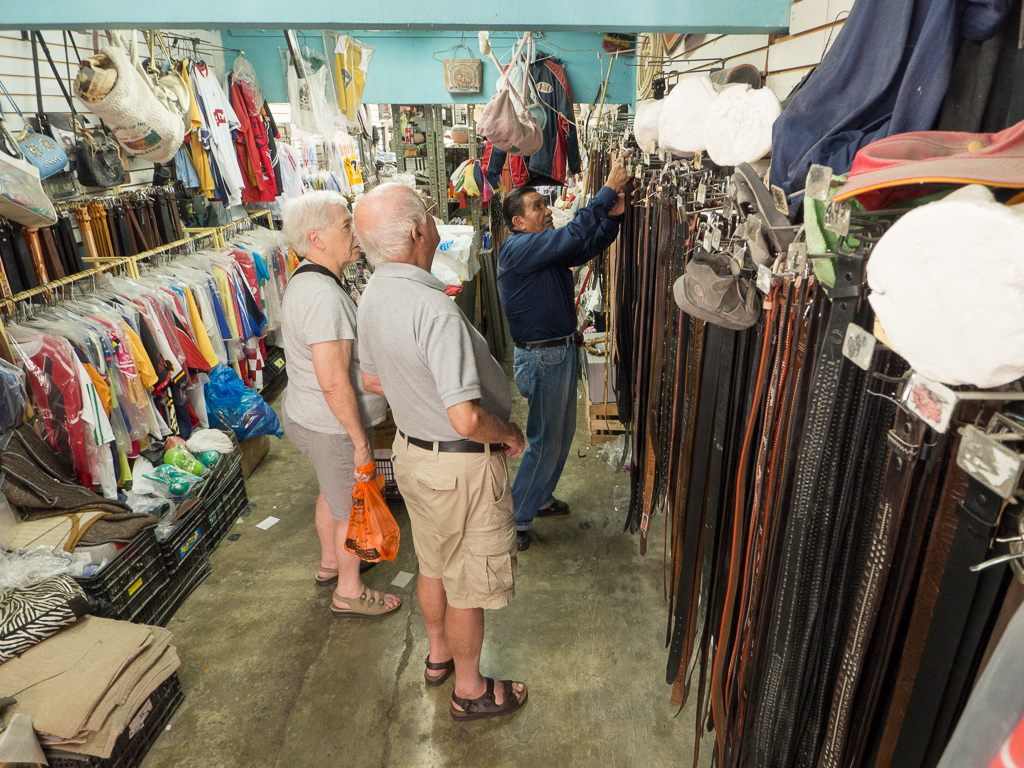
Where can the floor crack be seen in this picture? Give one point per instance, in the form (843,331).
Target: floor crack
(392,711)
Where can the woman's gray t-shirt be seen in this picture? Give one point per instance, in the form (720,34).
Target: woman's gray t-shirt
(316,309)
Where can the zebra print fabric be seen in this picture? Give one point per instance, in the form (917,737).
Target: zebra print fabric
(29,615)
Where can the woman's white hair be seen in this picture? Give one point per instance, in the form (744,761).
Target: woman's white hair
(390,238)
(311,212)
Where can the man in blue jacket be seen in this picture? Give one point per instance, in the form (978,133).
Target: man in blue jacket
(536,287)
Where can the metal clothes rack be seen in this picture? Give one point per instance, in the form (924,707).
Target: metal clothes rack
(218,236)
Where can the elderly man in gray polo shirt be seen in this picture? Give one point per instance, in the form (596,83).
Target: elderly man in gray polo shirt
(451,403)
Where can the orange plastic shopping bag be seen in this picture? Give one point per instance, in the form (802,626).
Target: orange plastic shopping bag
(372,532)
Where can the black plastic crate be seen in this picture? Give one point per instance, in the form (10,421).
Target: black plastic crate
(186,537)
(274,367)
(138,738)
(193,572)
(234,499)
(226,499)
(391,493)
(132,579)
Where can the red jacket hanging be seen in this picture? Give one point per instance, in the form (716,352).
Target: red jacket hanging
(253,149)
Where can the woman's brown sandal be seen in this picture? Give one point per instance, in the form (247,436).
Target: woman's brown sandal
(332,576)
(485,706)
(363,607)
(447,667)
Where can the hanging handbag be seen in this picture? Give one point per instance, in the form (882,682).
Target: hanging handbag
(61,185)
(97,158)
(22,198)
(114,86)
(39,150)
(511,130)
(463,75)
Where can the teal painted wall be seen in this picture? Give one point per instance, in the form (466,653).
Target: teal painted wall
(406,67)
(698,16)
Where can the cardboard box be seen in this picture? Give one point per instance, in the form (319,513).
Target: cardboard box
(594,369)
(384,433)
(253,451)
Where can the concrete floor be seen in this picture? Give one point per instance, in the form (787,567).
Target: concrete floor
(271,679)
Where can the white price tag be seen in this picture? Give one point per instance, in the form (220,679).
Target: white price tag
(819,182)
(796,258)
(989,462)
(932,401)
(764,279)
(702,193)
(837,217)
(781,203)
(858,346)
(707,241)
(716,238)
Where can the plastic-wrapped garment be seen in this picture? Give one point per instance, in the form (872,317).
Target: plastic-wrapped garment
(50,365)
(205,300)
(98,434)
(232,406)
(242,71)
(312,110)
(13,395)
(351,63)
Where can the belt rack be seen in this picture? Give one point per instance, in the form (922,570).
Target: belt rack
(217,237)
(824,465)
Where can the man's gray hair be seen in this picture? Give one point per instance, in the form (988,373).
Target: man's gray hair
(311,212)
(391,239)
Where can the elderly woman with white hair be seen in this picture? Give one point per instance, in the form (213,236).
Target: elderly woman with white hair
(327,414)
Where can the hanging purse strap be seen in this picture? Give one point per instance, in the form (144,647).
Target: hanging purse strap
(38,36)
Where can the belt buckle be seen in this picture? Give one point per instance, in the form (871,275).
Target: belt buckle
(986,457)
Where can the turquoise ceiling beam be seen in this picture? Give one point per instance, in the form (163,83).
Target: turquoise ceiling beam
(691,16)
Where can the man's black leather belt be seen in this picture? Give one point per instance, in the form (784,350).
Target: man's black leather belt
(450,446)
(576,338)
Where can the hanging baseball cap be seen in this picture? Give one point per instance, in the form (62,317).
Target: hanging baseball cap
(908,165)
(709,290)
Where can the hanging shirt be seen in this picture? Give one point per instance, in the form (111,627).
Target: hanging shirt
(219,122)
(193,142)
(290,167)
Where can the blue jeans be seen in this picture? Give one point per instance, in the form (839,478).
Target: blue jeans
(547,379)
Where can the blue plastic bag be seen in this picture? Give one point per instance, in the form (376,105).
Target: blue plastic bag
(232,405)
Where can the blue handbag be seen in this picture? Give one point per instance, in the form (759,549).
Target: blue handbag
(39,149)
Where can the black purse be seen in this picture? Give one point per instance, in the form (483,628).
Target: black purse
(99,161)
(97,157)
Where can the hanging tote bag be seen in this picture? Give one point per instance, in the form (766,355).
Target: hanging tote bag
(97,157)
(113,85)
(512,131)
(463,75)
